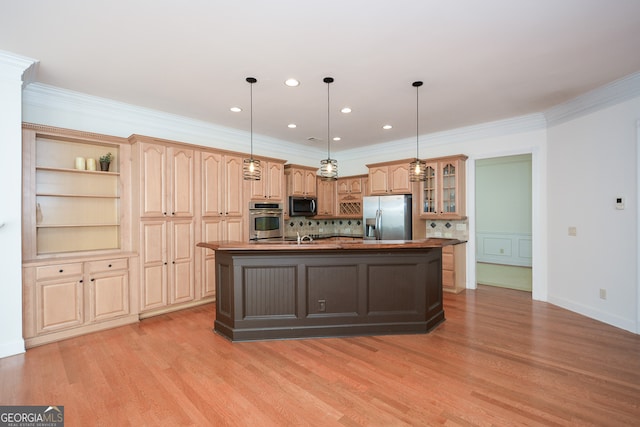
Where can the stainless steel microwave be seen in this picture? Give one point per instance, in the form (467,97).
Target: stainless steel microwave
(302,206)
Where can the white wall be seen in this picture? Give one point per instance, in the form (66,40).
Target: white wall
(12,69)
(592,160)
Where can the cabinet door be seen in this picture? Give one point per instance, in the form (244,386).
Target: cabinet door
(59,304)
(182,261)
(450,192)
(234,229)
(429,192)
(153,171)
(232,188)
(378,180)
(212,230)
(399,179)
(213,177)
(153,283)
(297,182)
(326,197)
(275,181)
(310,179)
(109,294)
(182,188)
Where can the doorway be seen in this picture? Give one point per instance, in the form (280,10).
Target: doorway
(503,227)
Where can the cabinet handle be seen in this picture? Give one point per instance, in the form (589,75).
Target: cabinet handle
(60,271)
(109,266)
(81,281)
(92,279)
(165,263)
(173,213)
(164,213)
(173,262)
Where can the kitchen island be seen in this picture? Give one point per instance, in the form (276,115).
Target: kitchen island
(282,289)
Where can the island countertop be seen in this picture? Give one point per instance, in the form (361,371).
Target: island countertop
(354,244)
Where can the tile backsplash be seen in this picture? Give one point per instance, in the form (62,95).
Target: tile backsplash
(323,227)
(448,229)
(353,227)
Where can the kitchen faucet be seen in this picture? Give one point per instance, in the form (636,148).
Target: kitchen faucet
(301,239)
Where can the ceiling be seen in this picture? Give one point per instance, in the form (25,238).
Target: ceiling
(480,61)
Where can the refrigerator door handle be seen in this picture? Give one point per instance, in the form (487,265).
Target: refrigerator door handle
(378,224)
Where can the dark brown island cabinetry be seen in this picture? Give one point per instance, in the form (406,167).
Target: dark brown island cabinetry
(342,289)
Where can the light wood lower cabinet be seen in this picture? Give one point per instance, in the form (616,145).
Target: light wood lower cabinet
(167,272)
(65,299)
(453,268)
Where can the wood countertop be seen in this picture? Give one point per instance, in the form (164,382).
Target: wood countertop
(286,245)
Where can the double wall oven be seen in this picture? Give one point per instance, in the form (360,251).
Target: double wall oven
(266,220)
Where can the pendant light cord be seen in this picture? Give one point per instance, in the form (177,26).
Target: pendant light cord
(328,81)
(251,117)
(417,86)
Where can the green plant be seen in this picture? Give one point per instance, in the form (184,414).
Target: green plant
(106,158)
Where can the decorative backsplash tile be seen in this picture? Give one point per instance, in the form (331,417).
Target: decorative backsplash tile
(323,227)
(448,229)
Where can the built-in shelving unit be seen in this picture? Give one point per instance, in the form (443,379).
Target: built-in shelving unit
(72,209)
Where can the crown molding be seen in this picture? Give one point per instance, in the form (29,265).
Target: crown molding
(18,67)
(610,94)
(121,119)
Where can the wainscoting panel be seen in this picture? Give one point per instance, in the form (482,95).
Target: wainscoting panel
(504,248)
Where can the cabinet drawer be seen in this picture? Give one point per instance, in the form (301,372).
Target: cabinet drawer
(49,272)
(448,279)
(107,265)
(447,261)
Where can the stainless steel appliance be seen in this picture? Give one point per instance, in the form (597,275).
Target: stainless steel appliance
(387,217)
(265,220)
(302,206)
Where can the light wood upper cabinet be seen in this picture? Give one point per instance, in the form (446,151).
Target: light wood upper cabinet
(271,184)
(167,179)
(442,195)
(301,180)
(350,193)
(326,197)
(221,184)
(389,178)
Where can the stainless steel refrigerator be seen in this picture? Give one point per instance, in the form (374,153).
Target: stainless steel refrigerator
(387,217)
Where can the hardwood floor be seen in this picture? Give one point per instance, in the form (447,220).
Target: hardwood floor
(499,359)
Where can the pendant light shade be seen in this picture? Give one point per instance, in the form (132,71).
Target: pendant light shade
(251,169)
(417,168)
(328,166)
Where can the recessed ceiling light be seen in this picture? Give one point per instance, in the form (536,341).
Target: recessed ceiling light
(387,127)
(235,109)
(346,110)
(336,138)
(292,82)
(292,126)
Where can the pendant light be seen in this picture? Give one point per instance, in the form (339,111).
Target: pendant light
(328,166)
(417,168)
(251,169)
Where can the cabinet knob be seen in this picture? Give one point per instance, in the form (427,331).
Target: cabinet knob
(164,213)
(109,265)
(81,280)
(165,263)
(173,213)
(60,271)
(92,279)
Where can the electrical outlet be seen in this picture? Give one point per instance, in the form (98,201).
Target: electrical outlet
(603,294)
(573,231)
(322,305)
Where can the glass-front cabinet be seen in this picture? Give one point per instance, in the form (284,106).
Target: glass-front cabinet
(442,194)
